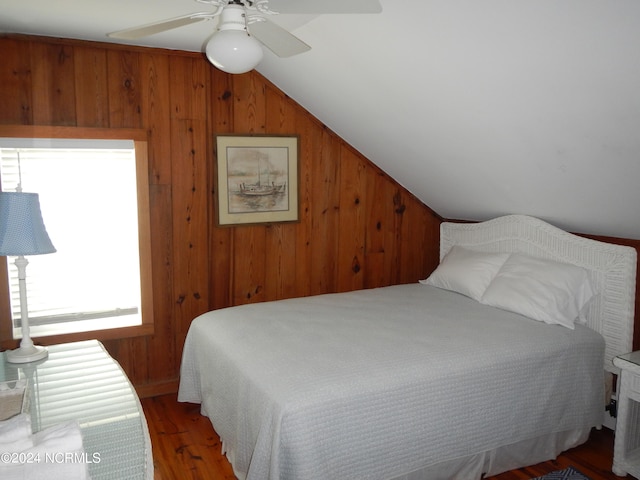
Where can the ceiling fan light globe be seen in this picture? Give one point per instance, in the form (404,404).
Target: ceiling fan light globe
(234,51)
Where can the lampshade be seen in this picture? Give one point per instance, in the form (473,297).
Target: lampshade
(232,49)
(22,230)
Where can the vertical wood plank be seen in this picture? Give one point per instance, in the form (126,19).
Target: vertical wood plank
(137,371)
(190,228)
(308,154)
(280,262)
(189,179)
(221,246)
(92,93)
(405,263)
(352,221)
(381,232)
(53,74)
(156,110)
(325,213)
(191,77)
(248,264)
(164,350)
(416,228)
(249,107)
(15,82)
(125,109)
(155,95)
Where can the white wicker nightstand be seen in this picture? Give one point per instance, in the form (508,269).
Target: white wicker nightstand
(626,450)
(80,381)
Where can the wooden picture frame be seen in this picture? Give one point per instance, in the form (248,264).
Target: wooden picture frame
(257,179)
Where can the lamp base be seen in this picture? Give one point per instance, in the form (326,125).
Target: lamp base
(26,355)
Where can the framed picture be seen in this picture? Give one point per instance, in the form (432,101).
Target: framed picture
(257,179)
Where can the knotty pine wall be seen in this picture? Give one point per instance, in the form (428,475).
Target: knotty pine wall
(358,227)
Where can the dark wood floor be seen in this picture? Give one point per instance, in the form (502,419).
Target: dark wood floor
(185,446)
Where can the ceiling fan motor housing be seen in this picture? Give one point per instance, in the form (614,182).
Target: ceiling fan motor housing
(233,17)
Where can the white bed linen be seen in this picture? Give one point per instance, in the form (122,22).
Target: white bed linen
(380,383)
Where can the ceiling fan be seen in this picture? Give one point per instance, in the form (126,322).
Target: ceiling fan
(233,48)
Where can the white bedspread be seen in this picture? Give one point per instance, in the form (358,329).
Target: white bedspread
(379,383)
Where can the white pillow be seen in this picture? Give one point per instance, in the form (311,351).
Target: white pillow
(544,290)
(468,272)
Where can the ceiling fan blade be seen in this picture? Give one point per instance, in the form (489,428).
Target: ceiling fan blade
(162,26)
(325,6)
(277,39)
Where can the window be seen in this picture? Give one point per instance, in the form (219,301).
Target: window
(94,201)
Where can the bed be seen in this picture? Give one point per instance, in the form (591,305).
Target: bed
(433,380)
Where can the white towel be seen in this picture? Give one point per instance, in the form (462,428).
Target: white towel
(55,453)
(60,448)
(15,434)
(15,438)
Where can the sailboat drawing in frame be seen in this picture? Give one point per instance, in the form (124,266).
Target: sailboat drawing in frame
(257,178)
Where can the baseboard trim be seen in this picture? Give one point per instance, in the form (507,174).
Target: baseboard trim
(155,389)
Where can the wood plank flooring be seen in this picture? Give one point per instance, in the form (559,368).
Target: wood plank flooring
(185,446)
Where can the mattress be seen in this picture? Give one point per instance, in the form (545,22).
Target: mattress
(383,382)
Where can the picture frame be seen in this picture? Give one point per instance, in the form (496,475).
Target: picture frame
(257,179)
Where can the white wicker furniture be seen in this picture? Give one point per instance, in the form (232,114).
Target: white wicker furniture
(80,381)
(626,451)
(612,268)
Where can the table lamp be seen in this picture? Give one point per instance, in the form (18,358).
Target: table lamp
(22,232)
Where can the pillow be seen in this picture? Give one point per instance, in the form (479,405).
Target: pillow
(466,271)
(544,290)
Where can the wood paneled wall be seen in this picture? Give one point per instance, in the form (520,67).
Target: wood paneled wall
(358,227)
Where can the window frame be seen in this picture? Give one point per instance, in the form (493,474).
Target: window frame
(139,137)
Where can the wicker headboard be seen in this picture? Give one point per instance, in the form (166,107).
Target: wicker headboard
(612,268)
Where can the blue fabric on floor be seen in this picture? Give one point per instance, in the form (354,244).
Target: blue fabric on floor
(569,473)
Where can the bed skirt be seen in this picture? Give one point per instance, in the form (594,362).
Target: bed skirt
(503,459)
(491,462)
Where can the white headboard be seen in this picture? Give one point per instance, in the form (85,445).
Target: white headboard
(612,268)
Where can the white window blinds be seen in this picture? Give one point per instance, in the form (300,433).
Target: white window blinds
(88,198)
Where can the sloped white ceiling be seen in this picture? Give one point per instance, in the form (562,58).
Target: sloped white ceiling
(478,107)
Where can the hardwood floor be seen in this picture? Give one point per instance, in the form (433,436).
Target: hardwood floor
(185,446)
